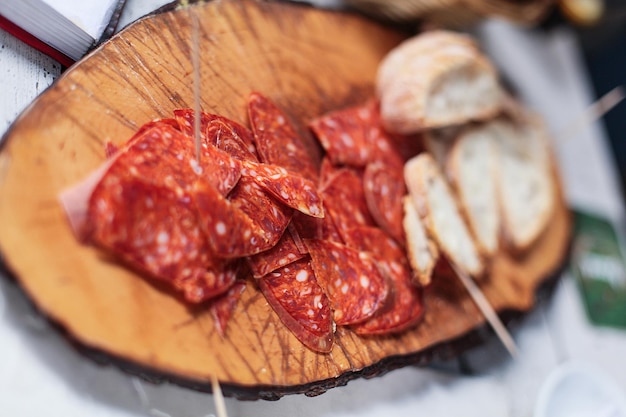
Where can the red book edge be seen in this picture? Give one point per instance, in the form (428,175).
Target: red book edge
(30,39)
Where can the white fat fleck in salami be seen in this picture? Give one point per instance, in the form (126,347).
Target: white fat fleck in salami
(220,228)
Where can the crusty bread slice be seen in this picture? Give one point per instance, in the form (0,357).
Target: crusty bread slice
(436,79)
(526,181)
(471,167)
(421,250)
(438,143)
(437,206)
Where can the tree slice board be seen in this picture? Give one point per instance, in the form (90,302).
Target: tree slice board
(308,61)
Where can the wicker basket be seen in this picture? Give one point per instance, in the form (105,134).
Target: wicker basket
(455,13)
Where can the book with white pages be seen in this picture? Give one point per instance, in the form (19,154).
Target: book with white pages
(64,29)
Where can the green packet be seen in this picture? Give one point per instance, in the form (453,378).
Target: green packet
(598,264)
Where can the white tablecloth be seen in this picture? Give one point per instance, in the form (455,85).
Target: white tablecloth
(42,375)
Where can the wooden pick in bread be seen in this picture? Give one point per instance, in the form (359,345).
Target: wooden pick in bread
(436,79)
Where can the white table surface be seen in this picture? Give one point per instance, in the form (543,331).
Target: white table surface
(42,375)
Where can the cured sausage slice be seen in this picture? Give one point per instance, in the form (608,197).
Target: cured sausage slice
(247,223)
(155,230)
(350,278)
(285,252)
(344,135)
(222,307)
(302,306)
(327,170)
(226,137)
(292,190)
(345,201)
(309,227)
(277,140)
(383,188)
(238,134)
(219,168)
(405,307)
(163,155)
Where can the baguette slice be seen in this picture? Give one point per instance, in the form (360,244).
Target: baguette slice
(421,250)
(438,143)
(526,181)
(471,167)
(436,79)
(436,205)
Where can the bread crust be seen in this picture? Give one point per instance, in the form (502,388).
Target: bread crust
(421,80)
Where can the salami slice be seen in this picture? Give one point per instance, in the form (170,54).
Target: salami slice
(405,307)
(163,155)
(345,201)
(226,137)
(384,188)
(277,140)
(327,171)
(247,223)
(285,252)
(222,307)
(384,145)
(155,230)
(294,294)
(309,227)
(292,190)
(350,278)
(344,135)
(238,141)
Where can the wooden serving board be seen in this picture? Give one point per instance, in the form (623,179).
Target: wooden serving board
(308,61)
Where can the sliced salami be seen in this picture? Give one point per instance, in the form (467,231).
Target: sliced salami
(155,230)
(292,190)
(345,200)
(247,223)
(350,278)
(383,145)
(405,307)
(309,227)
(285,252)
(327,171)
(344,135)
(222,307)
(219,131)
(164,156)
(277,140)
(384,188)
(226,137)
(294,294)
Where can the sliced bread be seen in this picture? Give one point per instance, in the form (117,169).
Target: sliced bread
(421,250)
(471,167)
(436,205)
(526,181)
(436,79)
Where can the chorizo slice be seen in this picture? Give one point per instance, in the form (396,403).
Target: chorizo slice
(300,303)
(350,278)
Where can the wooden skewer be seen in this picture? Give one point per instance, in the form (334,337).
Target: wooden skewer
(220,406)
(195,59)
(485,307)
(594,112)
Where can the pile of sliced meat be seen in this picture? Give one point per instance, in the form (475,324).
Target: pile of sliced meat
(324,245)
